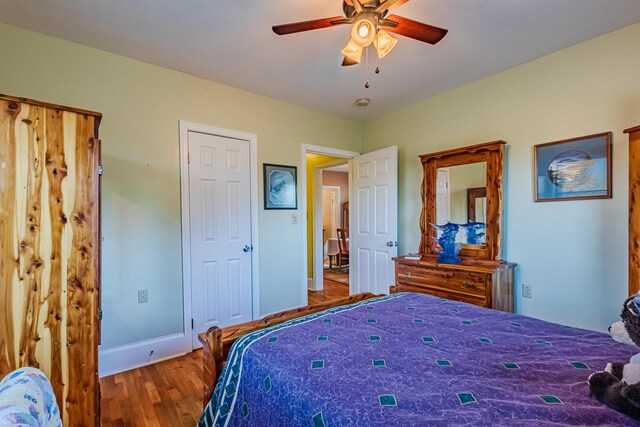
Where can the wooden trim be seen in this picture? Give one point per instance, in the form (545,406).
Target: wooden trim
(217,342)
(486,146)
(493,154)
(632,130)
(634,206)
(17,99)
(472,195)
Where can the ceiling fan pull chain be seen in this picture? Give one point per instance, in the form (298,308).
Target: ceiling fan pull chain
(366,85)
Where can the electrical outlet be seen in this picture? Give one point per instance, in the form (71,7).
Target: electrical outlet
(527,291)
(294,219)
(143,296)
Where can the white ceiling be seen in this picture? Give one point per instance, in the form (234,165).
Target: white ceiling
(231,42)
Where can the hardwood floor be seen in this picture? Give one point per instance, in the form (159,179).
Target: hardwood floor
(169,393)
(332,290)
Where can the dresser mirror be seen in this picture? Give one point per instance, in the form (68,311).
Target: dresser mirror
(461,198)
(459,186)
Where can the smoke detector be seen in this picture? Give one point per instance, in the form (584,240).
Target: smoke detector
(362,102)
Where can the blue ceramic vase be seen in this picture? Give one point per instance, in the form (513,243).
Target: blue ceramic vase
(447,241)
(473,236)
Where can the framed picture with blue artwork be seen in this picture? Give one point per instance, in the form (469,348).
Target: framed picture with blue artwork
(573,169)
(280,184)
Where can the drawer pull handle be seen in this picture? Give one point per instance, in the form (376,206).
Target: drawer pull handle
(468,285)
(410,274)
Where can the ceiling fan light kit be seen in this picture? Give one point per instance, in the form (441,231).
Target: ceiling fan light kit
(353,51)
(384,43)
(363,31)
(369,20)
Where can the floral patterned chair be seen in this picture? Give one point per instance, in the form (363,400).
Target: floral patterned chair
(27,399)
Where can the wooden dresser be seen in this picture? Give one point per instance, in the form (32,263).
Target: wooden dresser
(480,282)
(50,250)
(481,278)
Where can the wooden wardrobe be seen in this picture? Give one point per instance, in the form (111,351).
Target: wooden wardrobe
(50,249)
(634,208)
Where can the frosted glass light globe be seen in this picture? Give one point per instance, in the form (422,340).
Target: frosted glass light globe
(363,31)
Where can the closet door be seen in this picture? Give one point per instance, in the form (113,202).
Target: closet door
(50,250)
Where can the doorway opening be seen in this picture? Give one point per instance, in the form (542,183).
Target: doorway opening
(325,186)
(334,214)
(372,223)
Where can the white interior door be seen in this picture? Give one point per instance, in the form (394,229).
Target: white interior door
(443,201)
(220,231)
(330,211)
(373,227)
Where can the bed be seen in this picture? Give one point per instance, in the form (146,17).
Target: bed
(406,359)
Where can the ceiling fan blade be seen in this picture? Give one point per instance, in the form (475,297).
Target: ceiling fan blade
(346,62)
(298,27)
(389,4)
(356,4)
(396,4)
(416,30)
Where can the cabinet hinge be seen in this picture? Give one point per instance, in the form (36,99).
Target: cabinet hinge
(191,323)
(100,170)
(188,158)
(100,315)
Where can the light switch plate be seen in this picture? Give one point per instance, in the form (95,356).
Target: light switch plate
(143,296)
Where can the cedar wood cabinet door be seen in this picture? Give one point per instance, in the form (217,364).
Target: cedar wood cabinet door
(50,250)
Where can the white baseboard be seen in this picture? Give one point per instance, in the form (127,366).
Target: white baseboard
(310,283)
(131,356)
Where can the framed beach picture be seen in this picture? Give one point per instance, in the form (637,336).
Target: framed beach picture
(280,184)
(573,169)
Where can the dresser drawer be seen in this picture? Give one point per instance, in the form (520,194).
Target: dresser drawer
(481,301)
(441,281)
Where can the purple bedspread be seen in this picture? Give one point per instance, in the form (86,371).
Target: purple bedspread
(415,360)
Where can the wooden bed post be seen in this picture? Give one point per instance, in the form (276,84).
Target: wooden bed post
(213,361)
(634,206)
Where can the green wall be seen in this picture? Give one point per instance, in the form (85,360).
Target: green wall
(573,253)
(142,105)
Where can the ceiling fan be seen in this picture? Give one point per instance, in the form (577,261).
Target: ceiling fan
(371,25)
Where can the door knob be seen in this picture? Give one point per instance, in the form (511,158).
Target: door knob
(247,248)
(390,243)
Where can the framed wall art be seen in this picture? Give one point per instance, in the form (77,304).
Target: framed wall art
(573,169)
(280,187)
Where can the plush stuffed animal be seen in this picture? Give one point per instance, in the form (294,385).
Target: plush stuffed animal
(619,385)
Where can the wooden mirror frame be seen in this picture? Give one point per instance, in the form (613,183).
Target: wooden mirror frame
(493,154)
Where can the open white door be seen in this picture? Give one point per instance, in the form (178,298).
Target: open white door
(374,220)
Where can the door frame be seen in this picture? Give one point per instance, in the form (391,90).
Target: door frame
(317,284)
(186,127)
(326,151)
